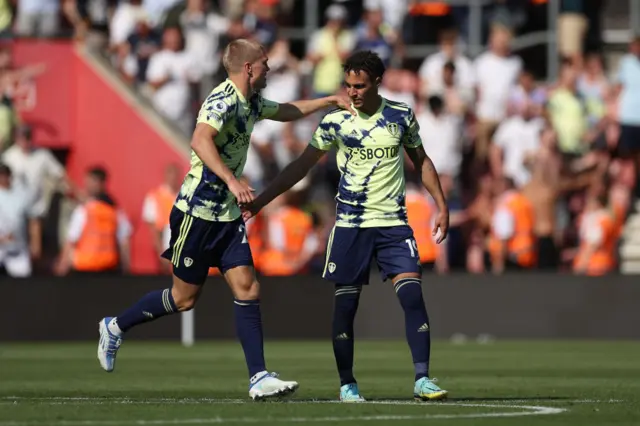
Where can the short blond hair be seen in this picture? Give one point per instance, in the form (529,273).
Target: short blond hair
(239,52)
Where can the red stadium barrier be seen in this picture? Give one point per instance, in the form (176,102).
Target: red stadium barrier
(78,108)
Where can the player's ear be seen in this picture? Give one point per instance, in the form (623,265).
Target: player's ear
(378,81)
(247,67)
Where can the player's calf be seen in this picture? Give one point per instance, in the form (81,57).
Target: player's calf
(409,291)
(344,312)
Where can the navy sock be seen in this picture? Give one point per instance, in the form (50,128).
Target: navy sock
(153,305)
(409,291)
(249,330)
(344,313)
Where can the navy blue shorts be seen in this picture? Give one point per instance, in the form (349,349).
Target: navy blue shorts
(350,251)
(198,244)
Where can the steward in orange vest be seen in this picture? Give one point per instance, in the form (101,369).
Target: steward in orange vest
(157,208)
(421,213)
(512,242)
(291,240)
(98,234)
(598,236)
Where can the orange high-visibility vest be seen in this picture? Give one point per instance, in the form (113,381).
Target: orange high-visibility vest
(603,259)
(164,199)
(97,249)
(430,8)
(521,247)
(420,213)
(281,261)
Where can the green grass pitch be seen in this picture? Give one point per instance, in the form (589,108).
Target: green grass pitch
(502,383)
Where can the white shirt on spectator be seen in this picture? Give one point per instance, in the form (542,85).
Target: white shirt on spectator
(404,97)
(495,77)
(157,9)
(431,71)
(503,223)
(393,11)
(172,98)
(32,169)
(16,207)
(202,34)
(517,138)
(124,22)
(79,219)
(38,6)
(591,231)
(441,138)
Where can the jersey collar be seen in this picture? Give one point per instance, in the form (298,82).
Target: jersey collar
(364,116)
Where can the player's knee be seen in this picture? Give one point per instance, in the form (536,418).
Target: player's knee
(184,301)
(249,290)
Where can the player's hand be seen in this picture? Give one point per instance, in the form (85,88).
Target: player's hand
(242,191)
(249,210)
(343,102)
(442,225)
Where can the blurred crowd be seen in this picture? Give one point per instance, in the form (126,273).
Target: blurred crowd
(537,175)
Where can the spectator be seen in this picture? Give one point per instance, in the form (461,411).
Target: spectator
(628,87)
(291,239)
(6,18)
(421,211)
(433,68)
(38,18)
(136,52)
(17,246)
(373,34)
(593,87)
(327,49)
(35,168)
(170,74)
(158,9)
(90,19)
(527,92)
(440,134)
(124,21)
(496,72)
(98,233)
(598,237)
(396,88)
(202,29)
(516,139)
(478,226)
(512,244)
(393,11)
(259,19)
(567,113)
(457,98)
(571,26)
(157,208)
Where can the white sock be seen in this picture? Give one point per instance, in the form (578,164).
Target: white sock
(113,327)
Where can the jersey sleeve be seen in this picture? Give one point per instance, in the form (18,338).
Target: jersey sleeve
(217,111)
(267,108)
(325,135)
(411,137)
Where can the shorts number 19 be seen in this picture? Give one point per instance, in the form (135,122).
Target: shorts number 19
(413,246)
(242,229)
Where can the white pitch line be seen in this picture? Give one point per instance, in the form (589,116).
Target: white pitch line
(530,410)
(61,400)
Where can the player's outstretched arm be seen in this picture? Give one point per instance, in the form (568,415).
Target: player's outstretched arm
(202,143)
(291,175)
(431,182)
(295,110)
